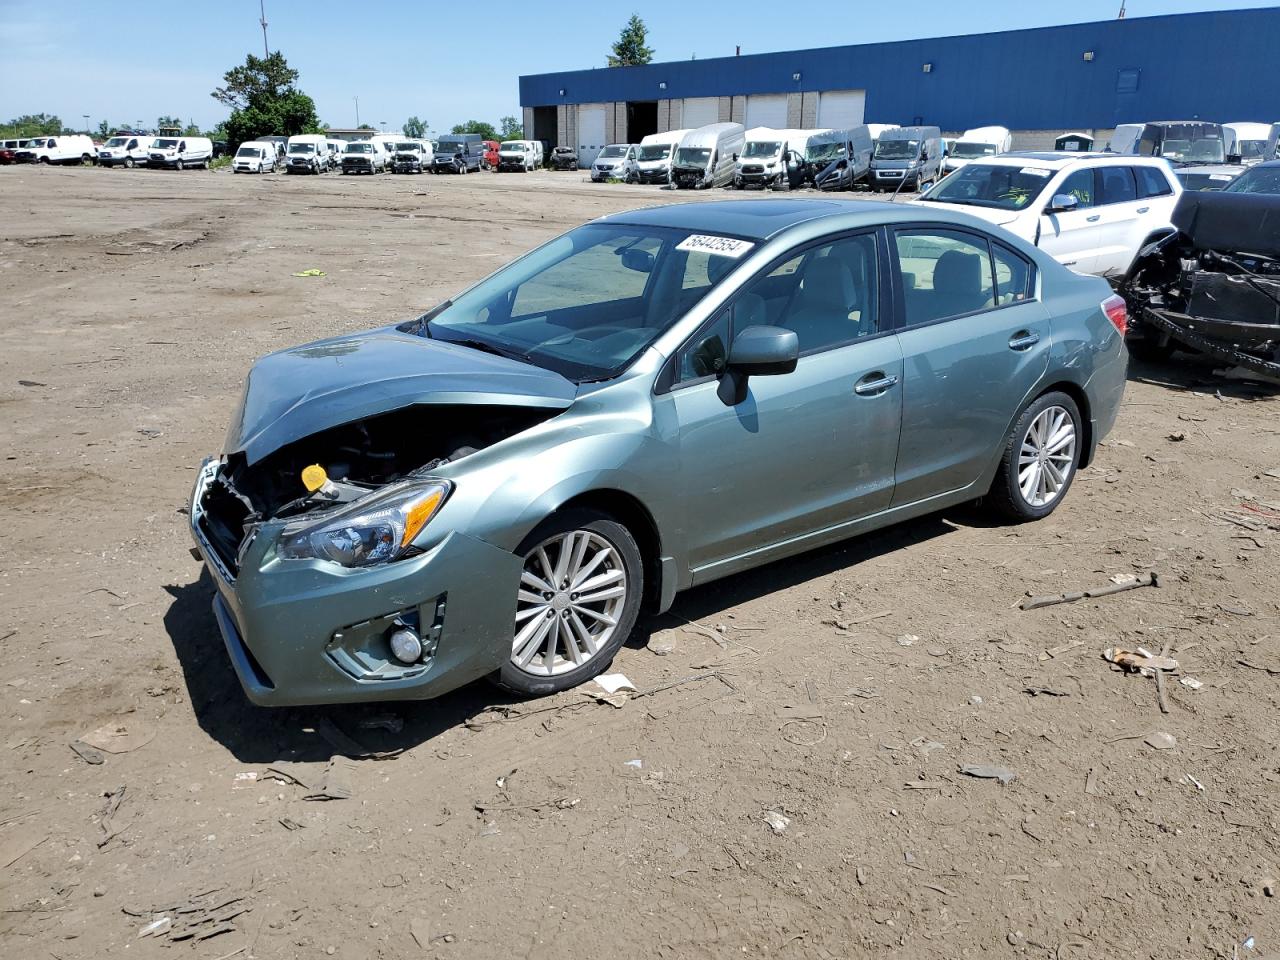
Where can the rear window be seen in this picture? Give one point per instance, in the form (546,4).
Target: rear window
(1152,183)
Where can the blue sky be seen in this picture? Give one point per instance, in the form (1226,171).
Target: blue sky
(129,60)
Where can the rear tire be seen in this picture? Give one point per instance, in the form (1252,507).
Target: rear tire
(1040,458)
(128,163)
(600,549)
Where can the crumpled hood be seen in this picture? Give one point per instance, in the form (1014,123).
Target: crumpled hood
(303,390)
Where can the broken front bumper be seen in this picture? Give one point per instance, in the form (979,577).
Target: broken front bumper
(303,632)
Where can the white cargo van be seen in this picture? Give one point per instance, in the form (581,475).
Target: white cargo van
(841,159)
(125,150)
(707,156)
(386,146)
(1247,141)
(336,147)
(975,144)
(907,156)
(763,162)
(524,155)
(180,152)
(75,148)
(306,153)
(653,159)
(256,156)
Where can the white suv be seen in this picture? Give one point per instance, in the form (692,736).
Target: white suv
(1090,212)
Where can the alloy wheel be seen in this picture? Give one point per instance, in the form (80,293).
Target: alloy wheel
(572,592)
(1047,456)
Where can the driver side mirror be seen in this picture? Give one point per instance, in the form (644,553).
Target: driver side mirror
(1234,158)
(759,351)
(1062,203)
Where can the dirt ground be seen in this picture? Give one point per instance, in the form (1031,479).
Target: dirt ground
(848,686)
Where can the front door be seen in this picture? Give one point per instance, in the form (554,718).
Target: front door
(1071,236)
(805,451)
(1118,205)
(974,344)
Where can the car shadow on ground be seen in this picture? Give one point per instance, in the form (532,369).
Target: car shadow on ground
(1190,372)
(254,734)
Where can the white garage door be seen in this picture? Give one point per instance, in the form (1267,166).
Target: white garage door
(591,124)
(767,110)
(841,109)
(699,111)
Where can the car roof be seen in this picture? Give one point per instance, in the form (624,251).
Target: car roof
(762,220)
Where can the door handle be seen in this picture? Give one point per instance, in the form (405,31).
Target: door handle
(874,384)
(1095,218)
(1143,209)
(1023,340)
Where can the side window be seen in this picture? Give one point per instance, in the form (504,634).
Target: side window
(1013,276)
(1115,185)
(52,143)
(1152,182)
(945,274)
(1080,186)
(831,298)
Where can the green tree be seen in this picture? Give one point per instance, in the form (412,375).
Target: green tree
(509,128)
(365,126)
(630,50)
(169,122)
(265,101)
(32,125)
(192,129)
(485,130)
(415,129)
(104,129)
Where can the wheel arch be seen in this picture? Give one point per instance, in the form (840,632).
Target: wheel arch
(628,510)
(1077,394)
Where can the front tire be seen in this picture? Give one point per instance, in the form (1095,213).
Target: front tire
(579,597)
(1040,458)
(128,163)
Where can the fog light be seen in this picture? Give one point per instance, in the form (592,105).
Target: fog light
(406,645)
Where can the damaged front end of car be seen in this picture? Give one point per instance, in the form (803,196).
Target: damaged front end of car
(325,520)
(1212,286)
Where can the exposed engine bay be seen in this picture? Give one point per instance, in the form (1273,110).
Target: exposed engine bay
(1212,287)
(356,459)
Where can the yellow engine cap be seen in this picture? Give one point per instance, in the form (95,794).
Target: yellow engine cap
(314,477)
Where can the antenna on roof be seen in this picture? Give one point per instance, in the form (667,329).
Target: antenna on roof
(262,9)
(1121,14)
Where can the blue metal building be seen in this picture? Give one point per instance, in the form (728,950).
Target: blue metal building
(1090,76)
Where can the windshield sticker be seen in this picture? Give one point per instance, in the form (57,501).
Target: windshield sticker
(716,246)
(1220,176)
(1035,172)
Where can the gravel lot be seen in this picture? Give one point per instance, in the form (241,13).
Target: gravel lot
(852,683)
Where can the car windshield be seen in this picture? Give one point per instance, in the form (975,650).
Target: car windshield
(824,152)
(1193,151)
(1198,181)
(1252,149)
(693,156)
(897,149)
(38,142)
(999,186)
(588,303)
(407,146)
(165,144)
(968,151)
(613,151)
(302,148)
(654,151)
(360,148)
(116,142)
(762,148)
(248,152)
(449,146)
(514,146)
(1257,180)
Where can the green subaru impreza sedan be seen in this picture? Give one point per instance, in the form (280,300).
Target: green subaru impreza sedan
(651,401)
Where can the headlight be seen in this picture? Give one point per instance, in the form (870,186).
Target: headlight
(374,530)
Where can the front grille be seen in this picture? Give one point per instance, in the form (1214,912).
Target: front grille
(753,169)
(221,522)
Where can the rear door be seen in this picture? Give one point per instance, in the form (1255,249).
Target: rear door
(1071,236)
(1118,205)
(975,341)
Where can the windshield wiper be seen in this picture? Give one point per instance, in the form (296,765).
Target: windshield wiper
(485,347)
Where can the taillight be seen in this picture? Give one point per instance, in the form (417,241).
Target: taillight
(1117,312)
